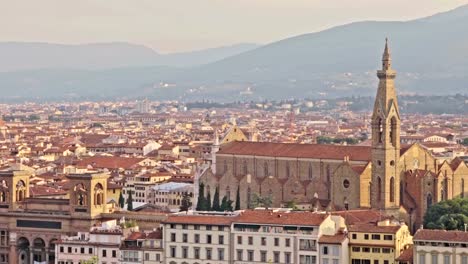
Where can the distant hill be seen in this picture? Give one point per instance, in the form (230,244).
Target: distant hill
(18,56)
(429,54)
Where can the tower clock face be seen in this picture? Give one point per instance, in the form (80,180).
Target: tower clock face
(415,163)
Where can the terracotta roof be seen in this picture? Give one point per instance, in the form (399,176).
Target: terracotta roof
(372,228)
(109,162)
(318,151)
(200,219)
(406,255)
(353,217)
(335,239)
(136,235)
(281,218)
(441,235)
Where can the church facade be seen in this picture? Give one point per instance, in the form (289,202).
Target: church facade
(400,180)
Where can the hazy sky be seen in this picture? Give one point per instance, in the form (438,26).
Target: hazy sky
(180,25)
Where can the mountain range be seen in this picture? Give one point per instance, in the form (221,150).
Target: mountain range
(430,55)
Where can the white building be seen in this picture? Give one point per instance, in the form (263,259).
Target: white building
(141,247)
(197,238)
(440,246)
(169,195)
(101,242)
(255,236)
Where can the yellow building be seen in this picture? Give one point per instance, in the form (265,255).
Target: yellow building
(379,243)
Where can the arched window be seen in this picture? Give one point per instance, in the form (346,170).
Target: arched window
(380,130)
(20,191)
(81,194)
(265,169)
(310,173)
(462,189)
(428,201)
(98,194)
(2,197)
(442,194)
(393,131)
(392,189)
(379,189)
(244,167)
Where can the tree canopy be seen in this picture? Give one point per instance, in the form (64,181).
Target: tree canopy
(186,203)
(447,215)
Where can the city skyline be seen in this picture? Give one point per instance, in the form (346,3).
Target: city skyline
(166,27)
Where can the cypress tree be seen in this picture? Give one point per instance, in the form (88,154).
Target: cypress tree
(121,200)
(216,206)
(201,197)
(207,206)
(237,199)
(223,206)
(130,201)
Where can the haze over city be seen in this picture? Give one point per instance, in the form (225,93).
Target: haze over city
(234,132)
(178,25)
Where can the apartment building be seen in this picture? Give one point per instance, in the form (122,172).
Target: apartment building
(100,242)
(169,195)
(280,236)
(379,243)
(255,236)
(440,247)
(141,247)
(198,238)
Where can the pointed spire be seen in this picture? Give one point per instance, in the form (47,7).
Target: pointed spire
(386,59)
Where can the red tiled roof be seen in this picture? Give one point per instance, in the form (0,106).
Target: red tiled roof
(441,235)
(109,162)
(335,239)
(199,219)
(353,217)
(372,228)
(281,218)
(318,151)
(406,255)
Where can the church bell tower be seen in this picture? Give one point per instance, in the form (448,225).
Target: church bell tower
(385,186)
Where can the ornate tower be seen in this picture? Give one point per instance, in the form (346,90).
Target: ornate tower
(14,189)
(88,194)
(385,122)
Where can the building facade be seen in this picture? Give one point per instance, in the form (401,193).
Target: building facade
(379,176)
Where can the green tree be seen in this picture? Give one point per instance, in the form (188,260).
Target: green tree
(447,215)
(186,203)
(292,204)
(226,205)
(130,201)
(465,141)
(260,201)
(121,200)
(237,199)
(216,206)
(93,260)
(201,197)
(207,206)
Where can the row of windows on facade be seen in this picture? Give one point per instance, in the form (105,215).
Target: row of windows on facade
(434,257)
(373,250)
(368,261)
(82,250)
(198,227)
(441,244)
(373,236)
(287,170)
(304,244)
